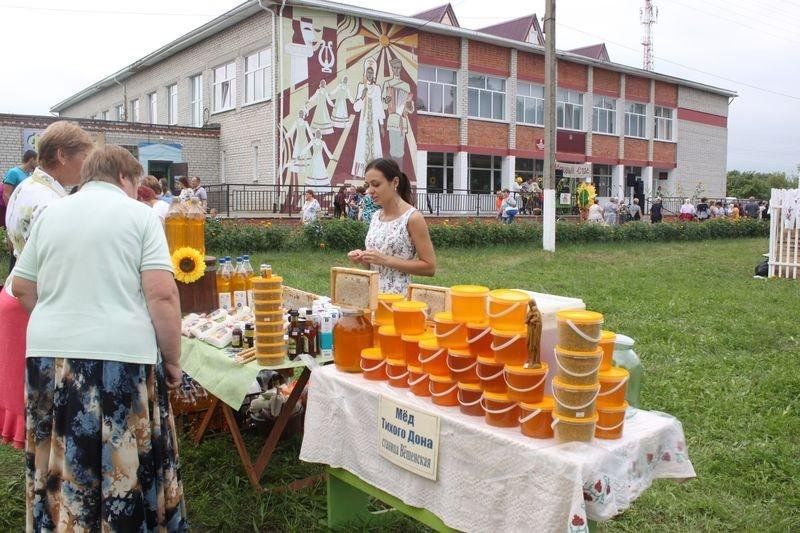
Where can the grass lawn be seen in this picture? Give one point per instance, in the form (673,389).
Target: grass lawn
(720,351)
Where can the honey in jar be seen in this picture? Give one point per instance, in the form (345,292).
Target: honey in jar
(352,333)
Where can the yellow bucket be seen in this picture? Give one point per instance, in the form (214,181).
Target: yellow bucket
(409,317)
(578,331)
(468,302)
(450,333)
(508,308)
(383,314)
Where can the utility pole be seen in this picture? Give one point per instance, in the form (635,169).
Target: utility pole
(549,211)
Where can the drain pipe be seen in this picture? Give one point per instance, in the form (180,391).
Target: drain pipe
(277,99)
(124,98)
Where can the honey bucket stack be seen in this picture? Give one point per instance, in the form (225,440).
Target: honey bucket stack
(611,404)
(267,306)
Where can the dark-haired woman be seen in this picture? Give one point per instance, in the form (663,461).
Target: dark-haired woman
(398,242)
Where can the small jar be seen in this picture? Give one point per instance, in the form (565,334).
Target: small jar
(351,334)
(249,335)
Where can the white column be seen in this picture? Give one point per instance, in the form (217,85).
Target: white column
(647,178)
(422,171)
(549,223)
(618,181)
(509,168)
(461,171)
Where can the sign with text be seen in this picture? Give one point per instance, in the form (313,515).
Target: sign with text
(572,170)
(408,437)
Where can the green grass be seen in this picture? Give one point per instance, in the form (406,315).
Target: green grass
(720,351)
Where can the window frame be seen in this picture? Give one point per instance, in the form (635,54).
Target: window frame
(438,85)
(120,109)
(564,105)
(639,118)
(491,93)
(669,121)
(215,83)
(606,177)
(196,100)
(135,110)
(538,103)
(265,69)
(495,170)
(152,105)
(610,112)
(172,104)
(447,168)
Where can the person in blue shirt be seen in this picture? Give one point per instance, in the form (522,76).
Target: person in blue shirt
(15,176)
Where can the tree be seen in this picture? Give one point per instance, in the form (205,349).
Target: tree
(758,184)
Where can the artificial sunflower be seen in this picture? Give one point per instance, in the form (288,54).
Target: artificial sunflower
(586,194)
(189,264)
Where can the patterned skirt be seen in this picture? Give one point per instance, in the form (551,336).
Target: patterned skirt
(101,449)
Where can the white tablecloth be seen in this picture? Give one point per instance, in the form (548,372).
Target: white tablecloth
(492,479)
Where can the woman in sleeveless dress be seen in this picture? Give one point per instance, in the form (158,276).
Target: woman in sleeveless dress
(398,243)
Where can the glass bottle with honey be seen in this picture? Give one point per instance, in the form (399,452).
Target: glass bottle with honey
(176,226)
(196,226)
(239,285)
(224,285)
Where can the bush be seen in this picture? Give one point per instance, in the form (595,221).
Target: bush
(245,237)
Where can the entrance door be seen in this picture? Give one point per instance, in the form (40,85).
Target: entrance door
(159,169)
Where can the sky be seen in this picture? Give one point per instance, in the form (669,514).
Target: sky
(52,49)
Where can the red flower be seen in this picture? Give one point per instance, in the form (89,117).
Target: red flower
(665,457)
(577,521)
(649,458)
(598,487)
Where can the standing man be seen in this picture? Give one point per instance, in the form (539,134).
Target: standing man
(199,191)
(15,176)
(397,101)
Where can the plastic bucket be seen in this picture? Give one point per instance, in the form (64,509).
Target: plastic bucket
(271,283)
(409,317)
(264,338)
(449,332)
(610,421)
(433,358)
(411,347)
(607,341)
(269,294)
(613,387)
(462,366)
(578,368)
(469,399)
(508,308)
(397,373)
(578,331)
(510,346)
(468,302)
(567,429)
(490,374)
(390,343)
(479,339)
(575,401)
(500,411)
(444,391)
(383,313)
(271,354)
(267,306)
(263,326)
(418,381)
(526,384)
(270,317)
(536,419)
(373,365)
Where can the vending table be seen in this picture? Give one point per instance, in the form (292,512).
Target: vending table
(463,474)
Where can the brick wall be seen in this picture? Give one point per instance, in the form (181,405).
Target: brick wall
(636,149)
(530,67)
(437,130)
(488,135)
(701,157)
(637,88)
(606,82)
(664,152)
(605,145)
(485,57)
(527,136)
(572,75)
(697,100)
(442,50)
(666,94)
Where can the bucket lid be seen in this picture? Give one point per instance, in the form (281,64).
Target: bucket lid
(414,369)
(409,306)
(613,408)
(271,279)
(268,302)
(488,360)
(372,353)
(417,337)
(525,371)
(396,362)
(499,397)
(388,331)
(469,290)
(615,373)
(547,404)
(510,295)
(472,387)
(558,382)
(580,317)
(624,340)
(523,332)
(478,325)
(390,297)
(607,336)
(597,352)
(429,343)
(460,352)
(445,317)
(441,379)
(588,420)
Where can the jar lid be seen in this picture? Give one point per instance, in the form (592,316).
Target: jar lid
(560,383)
(580,317)
(510,332)
(445,317)
(527,371)
(547,404)
(478,325)
(472,387)
(488,360)
(409,305)
(388,331)
(372,353)
(499,397)
(607,336)
(429,343)
(510,295)
(396,362)
(597,352)
(414,369)
(417,337)
(460,352)
(588,420)
(615,373)
(352,311)
(613,408)
(441,379)
(469,290)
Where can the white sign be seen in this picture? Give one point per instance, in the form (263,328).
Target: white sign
(572,170)
(565,198)
(408,437)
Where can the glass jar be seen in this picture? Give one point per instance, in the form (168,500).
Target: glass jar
(351,334)
(625,357)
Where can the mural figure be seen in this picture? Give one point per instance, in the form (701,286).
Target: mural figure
(398,102)
(369,107)
(301,131)
(322,117)
(318,178)
(300,52)
(341,96)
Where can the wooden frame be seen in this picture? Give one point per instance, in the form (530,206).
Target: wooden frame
(295,298)
(437,298)
(353,287)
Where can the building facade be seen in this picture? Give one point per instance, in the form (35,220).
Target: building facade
(307,92)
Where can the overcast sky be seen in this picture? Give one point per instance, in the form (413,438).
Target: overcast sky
(52,49)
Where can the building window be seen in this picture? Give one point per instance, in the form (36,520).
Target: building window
(530,104)
(153,101)
(437,91)
(135,110)
(172,104)
(663,124)
(485,173)
(197,100)
(257,77)
(440,172)
(529,168)
(604,115)
(120,112)
(225,87)
(601,177)
(569,109)
(104,115)
(487,97)
(635,119)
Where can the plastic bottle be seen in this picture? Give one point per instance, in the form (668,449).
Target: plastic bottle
(224,285)
(239,285)
(249,275)
(175,226)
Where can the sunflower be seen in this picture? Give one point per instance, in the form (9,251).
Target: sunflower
(189,264)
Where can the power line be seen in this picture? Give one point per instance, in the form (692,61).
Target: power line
(99,12)
(782,22)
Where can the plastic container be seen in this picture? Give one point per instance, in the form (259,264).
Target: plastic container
(262,338)
(271,317)
(567,429)
(625,357)
(351,335)
(449,332)
(510,346)
(411,347)
(373,365)
(397,373)
(578,368)
(270,327)
(409,317)
(272,283)
(468,302)
(579,331)
(271,354)
(607,340)
(508,308)
(613,387)
(260,295)
(536,419)
(501,411)
(433,358)
(390,343)
(575,401)
(267,306)
(610,421)
(444,391)
(526,384)
(383,314)
(479,339)
(418,381)
(490,374)
(469,399)
(462,366)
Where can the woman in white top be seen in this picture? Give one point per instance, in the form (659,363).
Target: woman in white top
(595,212)
(310,208)
(398,242)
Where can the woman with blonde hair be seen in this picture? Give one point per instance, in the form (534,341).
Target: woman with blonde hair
(103,346)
